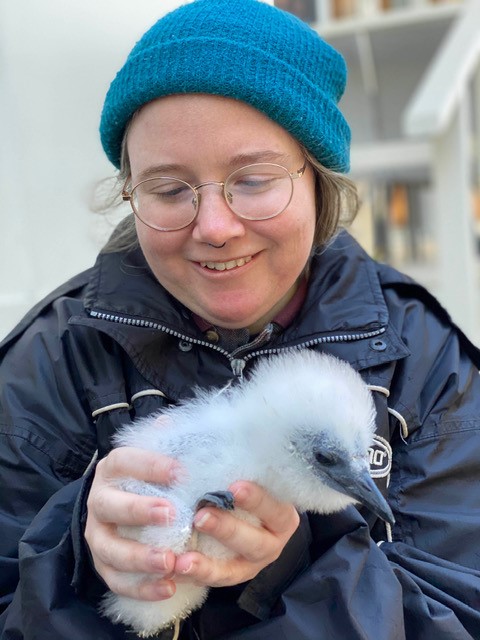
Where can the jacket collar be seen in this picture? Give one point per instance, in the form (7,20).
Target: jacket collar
(344,311)
(344,292)
(122,285)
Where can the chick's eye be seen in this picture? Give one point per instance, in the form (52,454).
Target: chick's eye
(325,458)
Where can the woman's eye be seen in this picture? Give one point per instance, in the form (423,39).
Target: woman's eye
(168,191)
(254,183)
(172,192)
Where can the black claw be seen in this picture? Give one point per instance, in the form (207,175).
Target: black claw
(220,499)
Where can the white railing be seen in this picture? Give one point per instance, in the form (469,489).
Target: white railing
(441,112)
(433,105)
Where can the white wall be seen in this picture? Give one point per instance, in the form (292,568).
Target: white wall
(57,59)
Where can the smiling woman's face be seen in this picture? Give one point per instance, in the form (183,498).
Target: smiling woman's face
(203,138)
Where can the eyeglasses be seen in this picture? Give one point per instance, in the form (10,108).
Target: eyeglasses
(256,192)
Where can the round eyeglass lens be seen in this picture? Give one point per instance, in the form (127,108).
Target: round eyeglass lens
(164,203)
(259,191)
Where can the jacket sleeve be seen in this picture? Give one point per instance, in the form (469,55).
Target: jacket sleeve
(46,437)
(51,377)
(359,591)
(424,582)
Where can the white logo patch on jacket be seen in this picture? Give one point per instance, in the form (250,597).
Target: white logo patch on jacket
(380,454)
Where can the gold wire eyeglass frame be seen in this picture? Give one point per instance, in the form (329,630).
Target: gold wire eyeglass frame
(127,195)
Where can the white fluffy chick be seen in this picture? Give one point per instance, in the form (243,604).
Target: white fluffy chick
(300,426)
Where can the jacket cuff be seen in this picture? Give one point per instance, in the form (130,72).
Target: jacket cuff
(261,595)
(86,581)
(316,535)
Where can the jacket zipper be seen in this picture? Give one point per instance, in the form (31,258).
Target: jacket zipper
(237,364)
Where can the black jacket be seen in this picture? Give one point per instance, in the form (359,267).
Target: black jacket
(112,343)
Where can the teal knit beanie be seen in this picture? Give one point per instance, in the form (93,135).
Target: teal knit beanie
(243,49)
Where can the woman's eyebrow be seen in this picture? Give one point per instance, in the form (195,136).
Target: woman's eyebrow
(160,170)
(262,155)
(238,160)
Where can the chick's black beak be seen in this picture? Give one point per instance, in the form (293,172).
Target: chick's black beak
(351,477)
(367,493)
(357,483)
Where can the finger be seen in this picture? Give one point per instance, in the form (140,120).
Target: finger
(112,553)
(109,504)
(280,518)
(201,570)
(140,464)
(147,590)
(254,543)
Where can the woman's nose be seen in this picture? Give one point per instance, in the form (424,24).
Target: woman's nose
(215,222)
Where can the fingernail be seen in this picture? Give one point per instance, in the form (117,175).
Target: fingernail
(240,492)
(159,559)
(187,569)
(205,517)
(162,515)
(164,590)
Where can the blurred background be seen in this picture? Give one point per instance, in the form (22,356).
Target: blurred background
(413,102)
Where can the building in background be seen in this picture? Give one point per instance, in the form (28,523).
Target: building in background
(416,165)
(304,9)
(413,102)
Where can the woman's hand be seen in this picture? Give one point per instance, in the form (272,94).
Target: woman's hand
(255,547)
(115,557)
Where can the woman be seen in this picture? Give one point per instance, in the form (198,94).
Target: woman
(225,127)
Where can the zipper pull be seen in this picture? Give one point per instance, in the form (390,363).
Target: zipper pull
(238,365)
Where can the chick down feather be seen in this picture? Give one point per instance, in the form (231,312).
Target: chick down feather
(300,426)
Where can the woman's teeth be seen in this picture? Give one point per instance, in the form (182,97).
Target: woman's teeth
(225,266)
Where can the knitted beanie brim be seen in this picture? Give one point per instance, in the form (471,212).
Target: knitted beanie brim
(300,95)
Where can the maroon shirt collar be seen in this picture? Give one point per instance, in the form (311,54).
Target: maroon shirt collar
(283,318)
